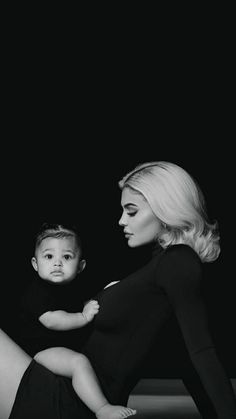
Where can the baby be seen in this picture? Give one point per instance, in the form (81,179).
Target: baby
(58,260)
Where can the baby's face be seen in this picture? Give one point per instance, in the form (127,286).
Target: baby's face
(57,259)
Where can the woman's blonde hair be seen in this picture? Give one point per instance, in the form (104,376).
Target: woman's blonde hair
(176,199)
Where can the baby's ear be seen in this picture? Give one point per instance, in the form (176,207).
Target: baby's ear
(34,263)
(82,265)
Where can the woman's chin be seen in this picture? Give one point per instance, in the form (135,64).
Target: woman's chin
(132,243)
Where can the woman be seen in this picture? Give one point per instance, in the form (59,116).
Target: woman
(163,208)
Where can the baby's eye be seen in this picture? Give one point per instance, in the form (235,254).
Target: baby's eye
(67,257)
(48,256)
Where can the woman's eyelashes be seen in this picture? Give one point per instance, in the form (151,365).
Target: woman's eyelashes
(132,214)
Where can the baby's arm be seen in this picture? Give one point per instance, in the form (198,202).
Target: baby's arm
(62,320)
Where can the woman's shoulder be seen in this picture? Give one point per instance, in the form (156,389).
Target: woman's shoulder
(181,257)
(181,250)
(179,268)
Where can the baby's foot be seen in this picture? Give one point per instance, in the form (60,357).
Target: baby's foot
(114,412)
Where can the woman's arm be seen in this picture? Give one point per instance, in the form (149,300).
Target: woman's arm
(181,274)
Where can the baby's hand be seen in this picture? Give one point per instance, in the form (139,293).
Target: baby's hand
(90,310)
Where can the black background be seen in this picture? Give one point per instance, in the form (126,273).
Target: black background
(77,116)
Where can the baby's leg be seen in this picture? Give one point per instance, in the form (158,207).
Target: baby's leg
(72,364)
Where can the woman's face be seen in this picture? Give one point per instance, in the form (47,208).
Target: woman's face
(141,226)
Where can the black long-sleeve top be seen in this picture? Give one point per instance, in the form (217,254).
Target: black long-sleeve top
(133,312)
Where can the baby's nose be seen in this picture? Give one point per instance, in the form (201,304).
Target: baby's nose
(58,262)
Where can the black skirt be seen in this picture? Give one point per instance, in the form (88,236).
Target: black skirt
(45,395)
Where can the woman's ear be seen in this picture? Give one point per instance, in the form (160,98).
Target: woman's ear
(34,263)
(82,265)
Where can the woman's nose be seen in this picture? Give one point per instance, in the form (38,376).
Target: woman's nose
(121,221)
